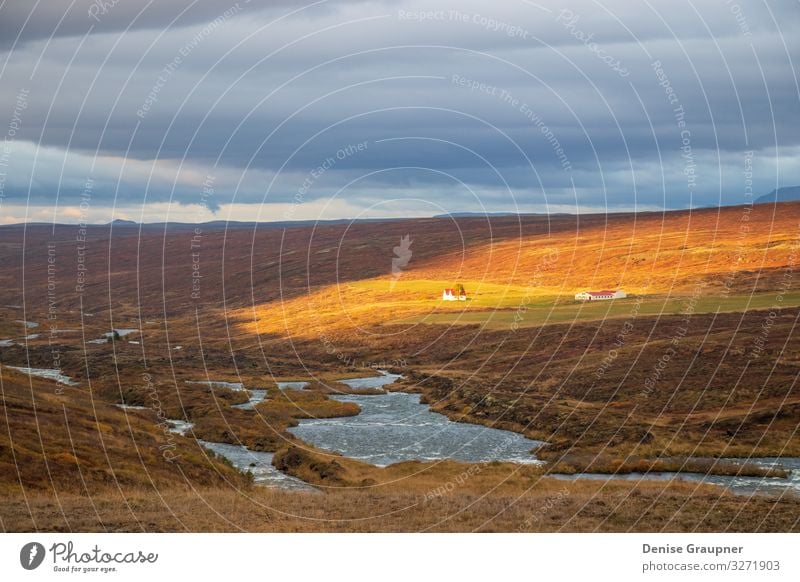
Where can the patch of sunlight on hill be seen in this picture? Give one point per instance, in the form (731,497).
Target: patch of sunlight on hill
(730,252)
(364,304)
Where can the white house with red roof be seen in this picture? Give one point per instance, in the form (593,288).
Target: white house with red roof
(453,295)
(600,295)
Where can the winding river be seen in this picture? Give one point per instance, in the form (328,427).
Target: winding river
(256,396)
(245,460)
(259,464)
(741,485)
(395,427)
(46,373)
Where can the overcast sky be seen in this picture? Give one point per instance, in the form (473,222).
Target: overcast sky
(276,110)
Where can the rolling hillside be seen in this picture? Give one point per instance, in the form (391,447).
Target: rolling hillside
(60,439)
(334,274)
(700,361)
(508,263)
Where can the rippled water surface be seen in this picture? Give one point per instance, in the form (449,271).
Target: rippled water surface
(395,427)
(256,396)
(218,384)
(49,374)
(291,385)
(742,485)
(259,464)
(372,382)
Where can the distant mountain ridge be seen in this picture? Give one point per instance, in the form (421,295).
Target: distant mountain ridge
(783,194)
(473,214)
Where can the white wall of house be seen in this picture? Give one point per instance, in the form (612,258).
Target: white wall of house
(452,296)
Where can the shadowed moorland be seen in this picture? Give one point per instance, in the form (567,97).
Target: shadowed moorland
(700,361)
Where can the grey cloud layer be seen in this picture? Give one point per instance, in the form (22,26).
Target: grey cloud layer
(458,101)
(25,21)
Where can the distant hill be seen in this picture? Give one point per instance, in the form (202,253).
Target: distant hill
(211,225)
(473,214)
(784,194)
(497,214)
(502,261)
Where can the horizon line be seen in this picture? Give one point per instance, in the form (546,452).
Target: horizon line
(122,222)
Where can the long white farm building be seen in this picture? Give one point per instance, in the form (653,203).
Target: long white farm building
(600,295)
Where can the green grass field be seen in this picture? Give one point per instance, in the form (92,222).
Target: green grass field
(537,311)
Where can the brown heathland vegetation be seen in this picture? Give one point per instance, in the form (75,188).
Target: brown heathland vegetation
(702,361)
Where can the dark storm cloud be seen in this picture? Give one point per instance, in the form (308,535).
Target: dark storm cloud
(578,105)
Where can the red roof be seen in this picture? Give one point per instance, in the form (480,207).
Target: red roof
(601,292)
